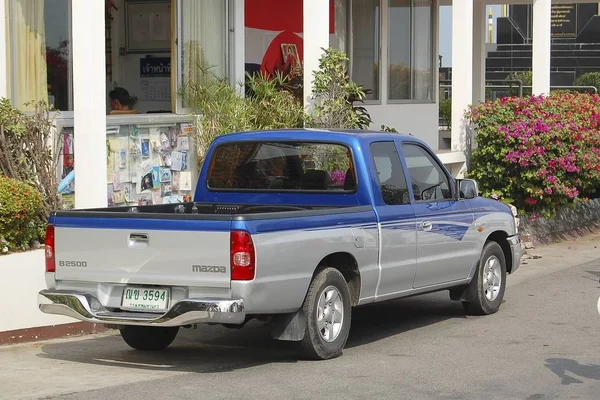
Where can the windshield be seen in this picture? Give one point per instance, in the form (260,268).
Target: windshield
(282,166)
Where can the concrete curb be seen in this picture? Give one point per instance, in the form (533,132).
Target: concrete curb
(50,332)
(582,220)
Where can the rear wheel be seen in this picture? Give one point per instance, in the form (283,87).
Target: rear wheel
(328,314)
(489,282)
(148,337)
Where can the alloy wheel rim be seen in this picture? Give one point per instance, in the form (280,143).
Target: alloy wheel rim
(330,314)
(492,278)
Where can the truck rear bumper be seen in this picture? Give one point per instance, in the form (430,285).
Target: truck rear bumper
(85,307)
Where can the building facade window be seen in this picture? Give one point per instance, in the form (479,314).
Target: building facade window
(159,47)
(423,59)
(39,53)
(410,50)
(407,28)
(399,50)
(204,44)
(365,39)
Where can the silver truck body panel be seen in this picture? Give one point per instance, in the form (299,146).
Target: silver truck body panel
(446,246)
(166,258)
(285,261)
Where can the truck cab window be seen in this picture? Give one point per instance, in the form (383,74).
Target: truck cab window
(282,166)
(428,179)
(392,180)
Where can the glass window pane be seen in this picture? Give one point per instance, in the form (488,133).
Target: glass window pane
(204,38)
(282,166)
(429,182)
(40,52)
(423,50)
(399,51)
(365,45)
(392,180)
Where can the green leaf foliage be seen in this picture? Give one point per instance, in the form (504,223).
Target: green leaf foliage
(542,152)
(20,206)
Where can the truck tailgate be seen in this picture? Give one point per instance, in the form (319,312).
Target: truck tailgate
(173,252)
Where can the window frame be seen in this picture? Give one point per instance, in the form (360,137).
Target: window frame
(412,100)
(177,48)
(12,48)
(384,49)
(436,162)
(404,172)
(292,191)
(350,45)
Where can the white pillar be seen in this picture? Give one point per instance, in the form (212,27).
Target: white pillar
(315,37)
(479,34)
(3,49)
(462,69)
(541,46)
(239,46)
(89,98)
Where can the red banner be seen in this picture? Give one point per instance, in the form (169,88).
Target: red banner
(280,15)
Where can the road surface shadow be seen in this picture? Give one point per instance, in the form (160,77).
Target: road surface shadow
(382,320)
(564,368)
(210,349)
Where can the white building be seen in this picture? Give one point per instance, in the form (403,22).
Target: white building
(73,51)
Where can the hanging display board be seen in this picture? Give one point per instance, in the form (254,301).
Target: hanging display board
(150,165)
(145,164)
(148,26)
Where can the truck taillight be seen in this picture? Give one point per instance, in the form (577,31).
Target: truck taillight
(242,256)
(49,249)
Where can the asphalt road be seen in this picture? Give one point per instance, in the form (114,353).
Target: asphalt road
(543,344)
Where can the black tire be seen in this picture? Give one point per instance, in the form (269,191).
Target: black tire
(479,303)
(148,337)
(313,345)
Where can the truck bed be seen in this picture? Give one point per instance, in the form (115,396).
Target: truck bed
(170,245)
(189,209)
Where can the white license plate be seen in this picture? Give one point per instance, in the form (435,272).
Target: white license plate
(145,299)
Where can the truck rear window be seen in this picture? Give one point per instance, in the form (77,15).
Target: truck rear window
(282,166)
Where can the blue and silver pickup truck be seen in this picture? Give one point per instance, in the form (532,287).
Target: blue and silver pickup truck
(293,227)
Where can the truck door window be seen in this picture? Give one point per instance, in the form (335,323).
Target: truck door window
(392,181)
(428,179)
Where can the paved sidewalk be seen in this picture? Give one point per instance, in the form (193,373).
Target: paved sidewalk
(421,347)
(557,256)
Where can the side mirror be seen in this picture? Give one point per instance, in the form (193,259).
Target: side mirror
(467,189)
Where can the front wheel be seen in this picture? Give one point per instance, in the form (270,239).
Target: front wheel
(328,313)
(148,337)
(489,282)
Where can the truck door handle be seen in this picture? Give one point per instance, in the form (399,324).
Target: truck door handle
(426,225)
(138,239)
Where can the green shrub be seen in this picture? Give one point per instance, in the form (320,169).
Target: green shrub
(446,111)
(25,151)
(272,102)
(335,94)
(540,152)
(20,223)
(524,76)
(588,79)
(221,110)
(271,105)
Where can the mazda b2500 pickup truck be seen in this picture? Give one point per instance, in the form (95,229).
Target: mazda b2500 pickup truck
(292,227)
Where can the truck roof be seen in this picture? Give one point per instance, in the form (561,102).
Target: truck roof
(312,134)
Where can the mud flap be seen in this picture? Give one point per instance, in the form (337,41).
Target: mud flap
(469,292)
(289,327)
